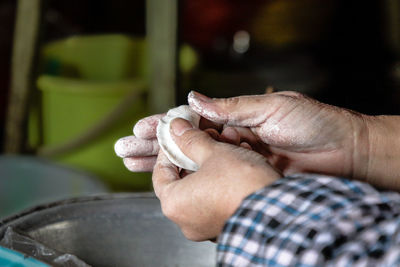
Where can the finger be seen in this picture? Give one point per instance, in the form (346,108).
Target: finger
(194,143)
(146,128)
(246,135)
(130,146)
(246,111)
(213,133)
(164,174)
(140,164)
(207,124)
(231,136)
(246,145)
(239,135)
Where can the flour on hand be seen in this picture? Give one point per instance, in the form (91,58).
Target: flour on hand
(167,144)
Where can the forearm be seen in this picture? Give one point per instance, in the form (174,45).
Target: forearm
(382,163)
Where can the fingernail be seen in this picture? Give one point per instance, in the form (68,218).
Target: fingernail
(198,96)
(119,148)
(180,126)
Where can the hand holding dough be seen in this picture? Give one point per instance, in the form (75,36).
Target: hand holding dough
(167,144)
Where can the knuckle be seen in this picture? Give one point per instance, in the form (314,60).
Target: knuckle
(230,102)
(155,147)
(169,209)
(296,94)
(157,190)
(189,142)
(193,140)
(190,235)
(292,95)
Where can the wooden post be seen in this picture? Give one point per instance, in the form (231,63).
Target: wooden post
(26,34)
(162,17)
(391,15)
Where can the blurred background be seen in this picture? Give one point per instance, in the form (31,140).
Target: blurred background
(76,75)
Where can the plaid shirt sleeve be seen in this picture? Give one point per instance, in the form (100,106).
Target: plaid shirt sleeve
(311,220)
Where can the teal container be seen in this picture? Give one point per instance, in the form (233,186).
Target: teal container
(26,181)
(11,258)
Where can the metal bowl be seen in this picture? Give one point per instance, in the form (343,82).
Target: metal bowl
(112,230)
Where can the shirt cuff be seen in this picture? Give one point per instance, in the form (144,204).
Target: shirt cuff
(309,220)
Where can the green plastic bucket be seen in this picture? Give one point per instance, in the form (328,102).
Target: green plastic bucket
(93,91)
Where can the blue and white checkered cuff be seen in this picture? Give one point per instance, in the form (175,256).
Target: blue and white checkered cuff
(313,220)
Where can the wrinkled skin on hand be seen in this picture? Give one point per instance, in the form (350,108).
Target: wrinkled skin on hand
(202,201)
(295,133)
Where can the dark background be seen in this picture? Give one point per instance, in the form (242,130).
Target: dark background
(343,54)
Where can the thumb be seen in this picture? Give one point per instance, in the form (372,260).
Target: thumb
(244,111)
(194,143)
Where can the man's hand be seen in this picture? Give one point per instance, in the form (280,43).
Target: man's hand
(296,133)
(202,201)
